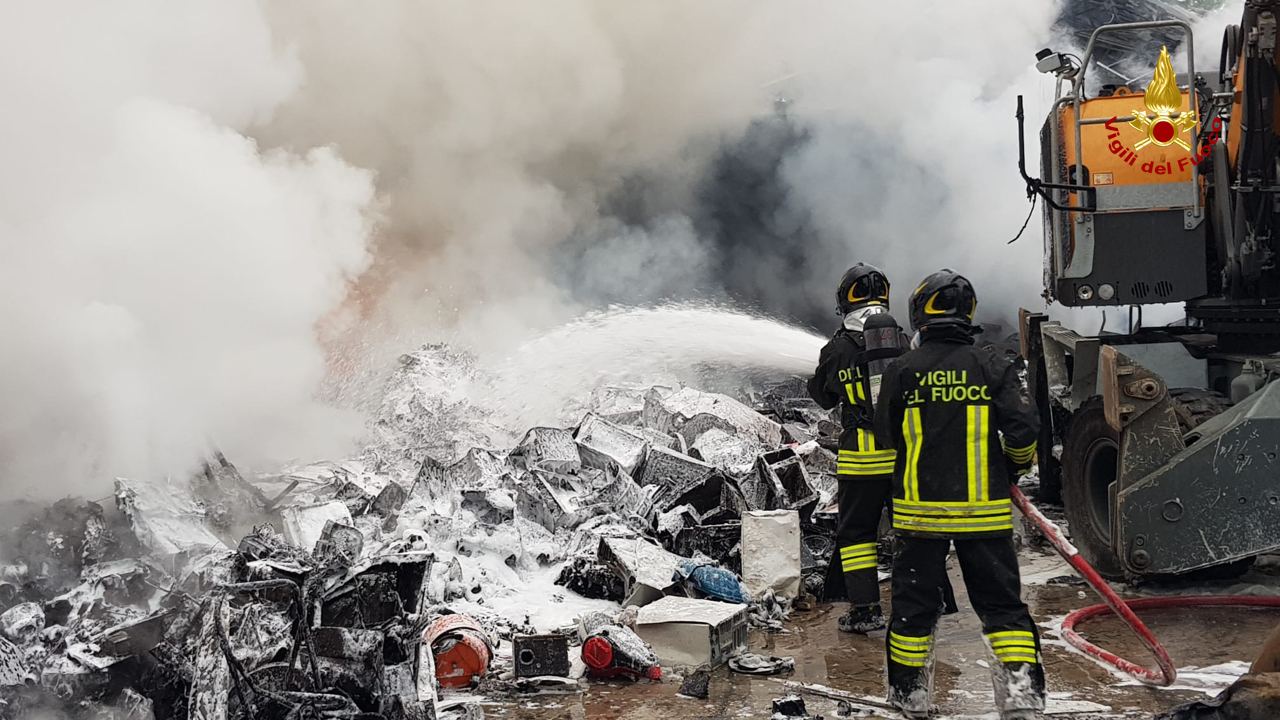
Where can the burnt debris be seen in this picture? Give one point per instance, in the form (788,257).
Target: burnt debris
(389,586)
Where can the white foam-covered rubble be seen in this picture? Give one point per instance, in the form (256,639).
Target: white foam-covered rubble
(690,413)
(492,515)
(428,409)
(727,451)
(165,515)
(601,442)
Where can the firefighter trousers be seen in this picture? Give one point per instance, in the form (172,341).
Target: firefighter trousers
(992,579)
(862,499)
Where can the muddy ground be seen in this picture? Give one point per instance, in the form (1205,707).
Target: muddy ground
(1079,688)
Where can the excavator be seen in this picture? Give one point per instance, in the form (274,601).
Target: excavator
(1162,443)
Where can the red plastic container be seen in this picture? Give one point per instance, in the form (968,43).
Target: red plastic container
(606,660)
(461,650)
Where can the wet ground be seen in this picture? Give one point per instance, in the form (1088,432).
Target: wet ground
(1079,688)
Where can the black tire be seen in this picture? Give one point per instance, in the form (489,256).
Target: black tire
(1195,405)
(1090,456)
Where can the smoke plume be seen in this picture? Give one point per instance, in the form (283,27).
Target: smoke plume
(542,158)
(218,220)
(160,275)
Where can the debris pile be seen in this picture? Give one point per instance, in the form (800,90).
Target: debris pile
(392,584)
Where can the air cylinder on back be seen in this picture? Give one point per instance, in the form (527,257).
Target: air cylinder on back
(883,337)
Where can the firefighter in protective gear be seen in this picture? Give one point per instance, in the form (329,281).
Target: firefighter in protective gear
(964,430)
(864,467)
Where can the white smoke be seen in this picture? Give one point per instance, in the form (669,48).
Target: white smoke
(914,160)
(166,279)
(500,129)
(1208,31)
(160,277)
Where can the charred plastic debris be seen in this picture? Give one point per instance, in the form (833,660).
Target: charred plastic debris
(347,590)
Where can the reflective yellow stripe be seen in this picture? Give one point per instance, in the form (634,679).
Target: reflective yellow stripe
(896,647)
(864,468)
(903,660)
(1014,649)
(951,507)
(861,394)
(848,389)
(911,433)
(971,453)
(881,466)
(957,514)
(1021,455)
(855,464)
(860,455)
(858,557)
(909,650)
(873,460)
(976,445)
(861,556)
(954,526)
(911,642)
(984,462)
(1013,646)
(960,520)
(1011,635)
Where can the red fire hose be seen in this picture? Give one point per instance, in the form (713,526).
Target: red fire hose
(1166,673)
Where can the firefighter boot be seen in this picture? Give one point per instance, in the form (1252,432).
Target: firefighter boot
(1019,690)
(861,619)
(910,700)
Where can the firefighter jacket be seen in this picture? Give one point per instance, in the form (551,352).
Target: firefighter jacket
(964,428)
(841,379)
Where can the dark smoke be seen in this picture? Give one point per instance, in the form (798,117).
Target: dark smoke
(765,247)
(749,239)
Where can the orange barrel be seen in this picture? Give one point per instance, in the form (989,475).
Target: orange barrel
(461,650)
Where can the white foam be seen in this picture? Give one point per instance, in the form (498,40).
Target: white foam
(1210,680)
(548,380)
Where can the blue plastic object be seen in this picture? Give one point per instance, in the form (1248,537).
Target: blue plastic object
(714,582)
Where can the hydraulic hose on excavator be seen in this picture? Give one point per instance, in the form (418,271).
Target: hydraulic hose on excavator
(1165,673)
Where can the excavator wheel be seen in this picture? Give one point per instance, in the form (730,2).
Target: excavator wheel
(1090,459)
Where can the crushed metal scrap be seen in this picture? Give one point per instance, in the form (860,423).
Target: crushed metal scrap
(370,588)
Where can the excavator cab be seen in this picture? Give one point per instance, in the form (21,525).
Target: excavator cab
(1124,211)
(1163,443)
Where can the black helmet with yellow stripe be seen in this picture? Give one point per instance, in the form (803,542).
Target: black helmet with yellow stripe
(944,298)
(862,285)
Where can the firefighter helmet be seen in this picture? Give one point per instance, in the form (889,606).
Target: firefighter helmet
(944,298)
(862,285)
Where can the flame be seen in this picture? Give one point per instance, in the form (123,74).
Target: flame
(1163,96)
